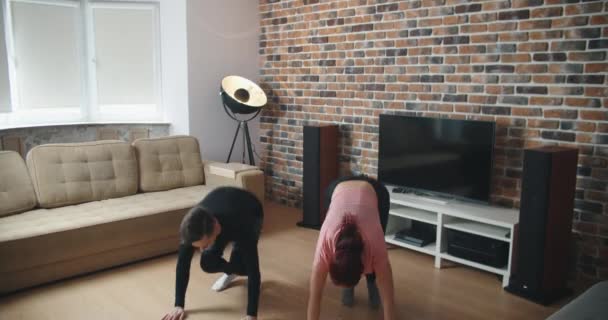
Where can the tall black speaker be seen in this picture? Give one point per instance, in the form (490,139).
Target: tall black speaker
(320,169)
(540,266)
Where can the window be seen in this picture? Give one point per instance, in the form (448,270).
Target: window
(82,60)
(46,55)
(5,90)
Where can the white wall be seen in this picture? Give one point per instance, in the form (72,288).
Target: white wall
(4,84)
(222,40)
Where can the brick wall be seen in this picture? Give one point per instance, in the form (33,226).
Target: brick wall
(536,67)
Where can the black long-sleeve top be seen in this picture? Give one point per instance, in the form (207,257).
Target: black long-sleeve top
(240,215)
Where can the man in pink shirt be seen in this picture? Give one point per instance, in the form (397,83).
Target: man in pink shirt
(351,243)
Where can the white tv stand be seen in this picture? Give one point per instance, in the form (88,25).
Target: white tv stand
(482,220)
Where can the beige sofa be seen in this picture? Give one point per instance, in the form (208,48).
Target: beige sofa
(77,208)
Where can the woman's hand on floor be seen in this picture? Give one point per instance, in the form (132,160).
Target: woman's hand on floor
(176,314)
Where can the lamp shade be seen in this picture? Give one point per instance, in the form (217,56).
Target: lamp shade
(241,95)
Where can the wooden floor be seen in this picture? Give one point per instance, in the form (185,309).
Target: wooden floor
(145,290)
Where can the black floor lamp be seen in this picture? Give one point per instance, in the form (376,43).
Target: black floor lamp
(242,97)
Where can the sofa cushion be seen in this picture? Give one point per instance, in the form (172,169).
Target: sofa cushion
(169,162)
(73,173)
(44,221)
(16,190)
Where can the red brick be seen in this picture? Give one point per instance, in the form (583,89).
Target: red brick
(455,20)
(513,37)
(485,58)
(546,35)
(596,195)
(511,193)
(561,113)
(546,12)
(419,88)
(533,46)
(583,8)
(464,69)
(499,89)
(527,112)
(594,115)
(585,126)
(469,89)
(535,24)
(418,51)
(570,22)
(484,38)
(483,17)
(502,26)
(444,50)
(508,58)
(355,37)
(601,19)
(531,68)
(406,43)
(430,22)
(457,78)
(596,67)
(467,108)
(495,5)
(584,138)
(524,3)
(585,227)
(582,102)
(429,97)
(471,49)
(441,107)
(482,99)
(596,91)
(600,174)
(474,28)
(534,144)
(547,78)
(508,122)
(458,60)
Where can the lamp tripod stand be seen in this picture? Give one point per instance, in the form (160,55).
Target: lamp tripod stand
(246,137)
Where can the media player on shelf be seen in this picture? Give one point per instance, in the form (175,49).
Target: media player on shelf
(487,251)
(419,234)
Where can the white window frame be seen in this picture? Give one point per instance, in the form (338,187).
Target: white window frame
(89,111)
(4,46)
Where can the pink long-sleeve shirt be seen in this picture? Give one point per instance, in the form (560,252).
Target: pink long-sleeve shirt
(361,202)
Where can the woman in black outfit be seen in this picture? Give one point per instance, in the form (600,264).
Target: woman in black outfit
(225,215)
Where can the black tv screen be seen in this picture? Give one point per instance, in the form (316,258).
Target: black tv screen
(444,156)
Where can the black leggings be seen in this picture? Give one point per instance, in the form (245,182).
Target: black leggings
(212,260)
(383,202)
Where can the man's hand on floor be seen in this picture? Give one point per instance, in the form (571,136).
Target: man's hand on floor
(176,314)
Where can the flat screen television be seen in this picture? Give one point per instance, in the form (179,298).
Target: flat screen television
(443,157)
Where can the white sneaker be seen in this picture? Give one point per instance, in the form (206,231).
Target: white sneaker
(223,282)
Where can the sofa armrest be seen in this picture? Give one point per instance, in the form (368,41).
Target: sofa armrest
(250,180)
